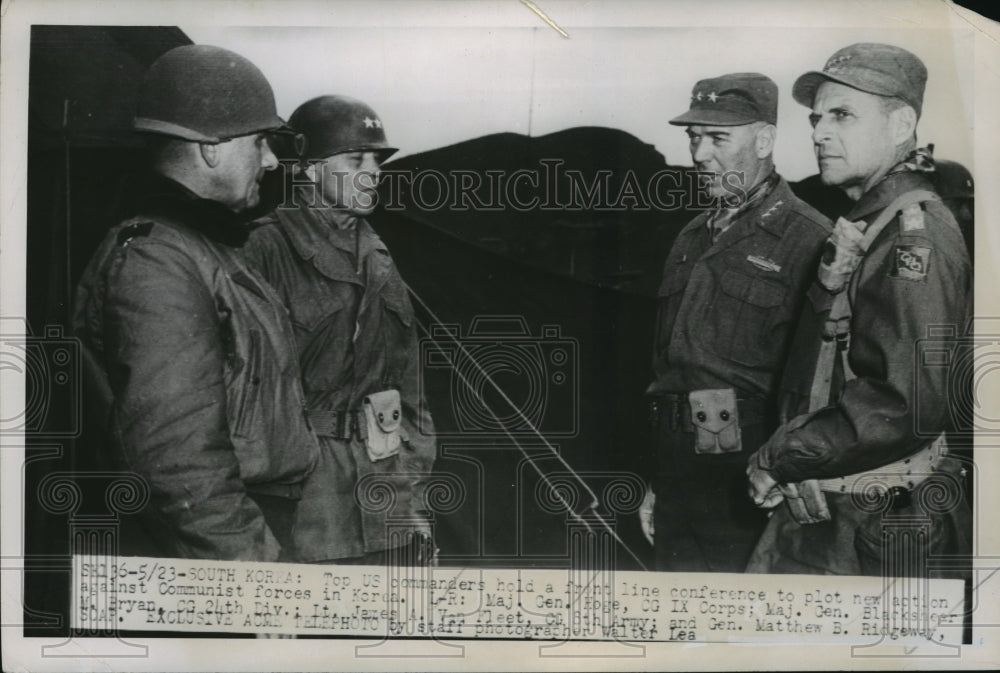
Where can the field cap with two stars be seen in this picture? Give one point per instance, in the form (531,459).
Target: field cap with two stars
(732,100)
(880,69)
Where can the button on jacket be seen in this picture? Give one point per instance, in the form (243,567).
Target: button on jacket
(198,353)
(355,336)
(727,309)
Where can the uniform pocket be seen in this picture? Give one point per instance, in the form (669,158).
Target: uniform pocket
(398,305)
(248,395)
(309,311)
(748,310)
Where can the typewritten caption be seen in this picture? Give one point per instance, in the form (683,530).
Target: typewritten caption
(136,594)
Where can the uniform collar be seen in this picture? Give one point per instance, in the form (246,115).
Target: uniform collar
(159,197)
(885,192)
(767,213)
(314,236)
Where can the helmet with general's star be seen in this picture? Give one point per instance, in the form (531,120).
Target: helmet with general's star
(335,124)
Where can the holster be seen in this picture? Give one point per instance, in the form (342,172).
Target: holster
(384,418)
(806,501)
(715,416)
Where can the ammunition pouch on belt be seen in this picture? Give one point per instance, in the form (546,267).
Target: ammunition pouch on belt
(378,424)
(384,417)
(715,416)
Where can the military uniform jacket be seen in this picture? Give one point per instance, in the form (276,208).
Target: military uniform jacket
(914,276)
(199,356)
(727,308)
(355,336)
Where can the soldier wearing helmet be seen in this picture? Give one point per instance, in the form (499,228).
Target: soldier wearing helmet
(955,186)
(196,349)
(356,340)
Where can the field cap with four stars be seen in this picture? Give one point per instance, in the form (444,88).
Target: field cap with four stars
(732,100)
(880,69)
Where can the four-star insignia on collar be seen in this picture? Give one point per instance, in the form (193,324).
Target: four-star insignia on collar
(372,123)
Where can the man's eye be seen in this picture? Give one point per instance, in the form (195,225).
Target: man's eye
(841,115)
(814,119)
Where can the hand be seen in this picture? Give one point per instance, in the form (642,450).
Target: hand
(646,515)
(763,488)
(423,543)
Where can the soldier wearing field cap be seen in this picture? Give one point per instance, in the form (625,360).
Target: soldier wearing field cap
(862,443)
(356,340)
(732,285)
(194,347)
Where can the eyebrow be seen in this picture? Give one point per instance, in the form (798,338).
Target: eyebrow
(711,134)
(839,107)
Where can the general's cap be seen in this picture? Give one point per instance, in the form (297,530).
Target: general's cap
(880,69)
(732,100)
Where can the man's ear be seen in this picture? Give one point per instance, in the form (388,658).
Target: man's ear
(902,124)
(766,136)
(210,153)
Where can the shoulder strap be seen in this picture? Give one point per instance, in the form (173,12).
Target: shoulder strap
(889,212)
(839,320)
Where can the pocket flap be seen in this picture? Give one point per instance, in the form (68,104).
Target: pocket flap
(756,291)
(311,309)
(397,303)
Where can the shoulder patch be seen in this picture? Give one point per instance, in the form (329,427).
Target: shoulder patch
(911,218)
(126,234)
(910,262)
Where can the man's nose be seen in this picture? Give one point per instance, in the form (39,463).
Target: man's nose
(821,131)
(370,165)
(701,151)
(267,159)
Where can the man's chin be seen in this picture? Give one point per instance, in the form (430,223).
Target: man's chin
(830,178)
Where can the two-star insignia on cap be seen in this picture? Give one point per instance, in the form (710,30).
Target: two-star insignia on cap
(372,123)
(836,64)
(710,96)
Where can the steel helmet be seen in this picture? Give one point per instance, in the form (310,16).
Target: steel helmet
(952,180)
(205,94)
(335,124)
